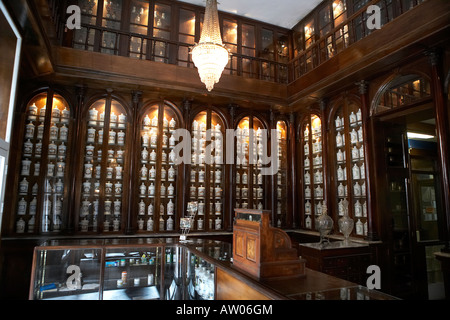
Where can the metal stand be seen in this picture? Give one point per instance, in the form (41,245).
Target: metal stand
(187,222)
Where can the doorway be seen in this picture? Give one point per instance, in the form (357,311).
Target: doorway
(411,210)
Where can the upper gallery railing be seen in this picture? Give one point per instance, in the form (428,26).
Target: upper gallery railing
(145,47)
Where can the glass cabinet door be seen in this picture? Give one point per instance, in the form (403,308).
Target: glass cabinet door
(139,14)
(104,169)
(186,35)
(281,176)
(84,37)
(207,170)
(111,19)
(67,274)
(133,273)
(44,168)
(350,181)
(313,176)
(249,179)
(158,173)
(161,29)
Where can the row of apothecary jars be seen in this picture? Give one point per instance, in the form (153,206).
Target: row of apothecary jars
(57,114)
(317,147)
(54,150)
(318,177)
(200,192)
(243,179)
(110,207)
(151,190)
(216,176)
(359,190)
(113,155)
(150,174)
(358,172)
(53,169)
(354,118)
(172,124)
(357,154)
(169,209)
(150,139)
(152,156)
(56,133)
(317,161)
(360,208)
(355,137)
(115,138)
(116,121)
(115,172)
(242,193)
(318,192)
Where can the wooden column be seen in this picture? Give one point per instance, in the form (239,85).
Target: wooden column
(372,233)
(273,178)
(326,178)
(442,128)
(134,130)
(293,173)
(230,180)
(76,160)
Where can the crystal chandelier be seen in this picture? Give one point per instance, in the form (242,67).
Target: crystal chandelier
(209,55)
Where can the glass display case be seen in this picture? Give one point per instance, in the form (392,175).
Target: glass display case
(349,165)
(249,149)
(207,170)
(312,164)
(158,173)
(104,168)
(147,269)
(44,165)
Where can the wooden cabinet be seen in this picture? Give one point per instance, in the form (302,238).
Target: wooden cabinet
(346,145)
(348,262)
(43,173)
(207,170)
(312,173)
(103,196)
(159,169)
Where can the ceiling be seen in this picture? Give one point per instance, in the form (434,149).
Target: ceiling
(283,13)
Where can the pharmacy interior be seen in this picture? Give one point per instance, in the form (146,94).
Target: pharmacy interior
(354,119)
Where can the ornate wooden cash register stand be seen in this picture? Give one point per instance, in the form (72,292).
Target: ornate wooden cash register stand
(261,250)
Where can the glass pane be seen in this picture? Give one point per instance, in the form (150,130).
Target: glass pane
(283,48)
(324,20)
(309,33)
(229,32)
(88,11)
(248,36)
(426,211)
(56,274)
(187,22)
(112,13)
(267,44)
(139,16)
(110,44)
(339,12)
(162,16)
(132,274)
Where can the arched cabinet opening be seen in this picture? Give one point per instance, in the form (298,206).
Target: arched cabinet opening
(105,167)
(311,164)
(207,170)
(42,198)
(249,178)
(159,187)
